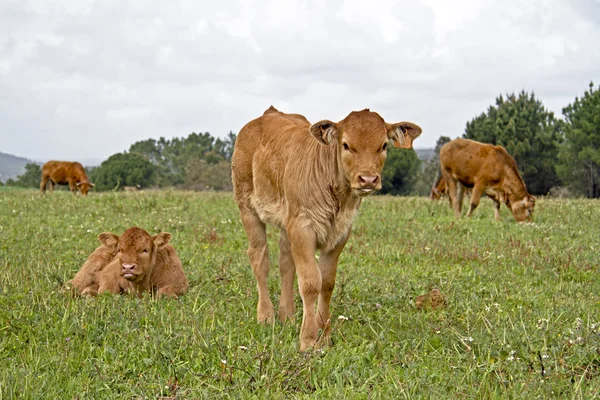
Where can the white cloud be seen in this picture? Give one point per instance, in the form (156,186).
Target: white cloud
(104,74)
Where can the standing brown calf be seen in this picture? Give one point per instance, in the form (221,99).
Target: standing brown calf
(65,173)
(489,170)
(308,181)
(133,263)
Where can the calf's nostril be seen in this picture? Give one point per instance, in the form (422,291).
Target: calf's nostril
(129,267)
(368,180)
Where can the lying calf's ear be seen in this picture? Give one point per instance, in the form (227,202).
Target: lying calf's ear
(326,132)
(402,134)
(162,238)
(108,239)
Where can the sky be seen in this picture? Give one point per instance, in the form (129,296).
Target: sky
(82,80)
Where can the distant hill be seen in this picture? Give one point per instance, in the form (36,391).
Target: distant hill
(12,166)
(425,154)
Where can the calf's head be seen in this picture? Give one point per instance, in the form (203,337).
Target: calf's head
(85,186)
(136,251)
(362,139)
(523,209)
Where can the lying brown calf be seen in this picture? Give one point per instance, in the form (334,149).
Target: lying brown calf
(134,262)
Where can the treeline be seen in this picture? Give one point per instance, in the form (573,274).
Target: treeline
(555,156)
(196,162)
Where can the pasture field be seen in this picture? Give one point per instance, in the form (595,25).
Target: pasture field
(522,318)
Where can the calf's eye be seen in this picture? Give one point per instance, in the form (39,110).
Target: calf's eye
(346,147)
(384,148)
(145,250)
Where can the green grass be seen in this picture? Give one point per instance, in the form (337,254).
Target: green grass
(522,320)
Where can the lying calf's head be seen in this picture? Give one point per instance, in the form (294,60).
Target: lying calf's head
(136,251)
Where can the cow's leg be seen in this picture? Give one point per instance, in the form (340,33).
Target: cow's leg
(258,253)
(328,266)
(51,186)
(109,284)
(303,244)
(460,195)
(478,190)
(43,184)
(451,185)
(496,209)
(73,187)
(287,270)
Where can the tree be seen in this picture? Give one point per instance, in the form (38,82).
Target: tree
(399,172)
(579,159)
(30,179)
(528,131)
(124,169)
(172,158)
(201,175)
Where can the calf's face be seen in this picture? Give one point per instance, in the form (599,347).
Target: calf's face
(136,251)
(362,139)
(85,187)
(523,209)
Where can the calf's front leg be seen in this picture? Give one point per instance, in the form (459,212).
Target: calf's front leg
(303,245)
(328,266)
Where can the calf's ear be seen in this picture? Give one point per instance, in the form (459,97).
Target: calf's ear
(402,134)
(162,238)
(326,132)
(108,239)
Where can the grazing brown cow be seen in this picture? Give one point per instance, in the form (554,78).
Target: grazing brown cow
(489,170)
(133,263)
(308,181)
(65,173)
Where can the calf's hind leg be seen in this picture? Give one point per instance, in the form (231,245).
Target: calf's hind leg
(43,184)
(258,253)
(287,271)
(454,197)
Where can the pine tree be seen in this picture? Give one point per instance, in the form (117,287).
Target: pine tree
(579,161)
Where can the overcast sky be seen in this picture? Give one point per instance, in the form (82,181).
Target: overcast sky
(84,79)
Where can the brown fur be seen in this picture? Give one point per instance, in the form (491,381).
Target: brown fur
(139,263)
(65,173)
(308,181)
(439,189)
(489,170)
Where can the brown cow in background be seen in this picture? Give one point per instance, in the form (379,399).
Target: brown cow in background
(308,181)
(65,173)
(489,170)
(135,263)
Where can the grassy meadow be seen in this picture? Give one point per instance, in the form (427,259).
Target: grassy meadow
(522,318)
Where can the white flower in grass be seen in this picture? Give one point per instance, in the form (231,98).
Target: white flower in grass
(224,362)
(512,357)
(342,318)
(242,348)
